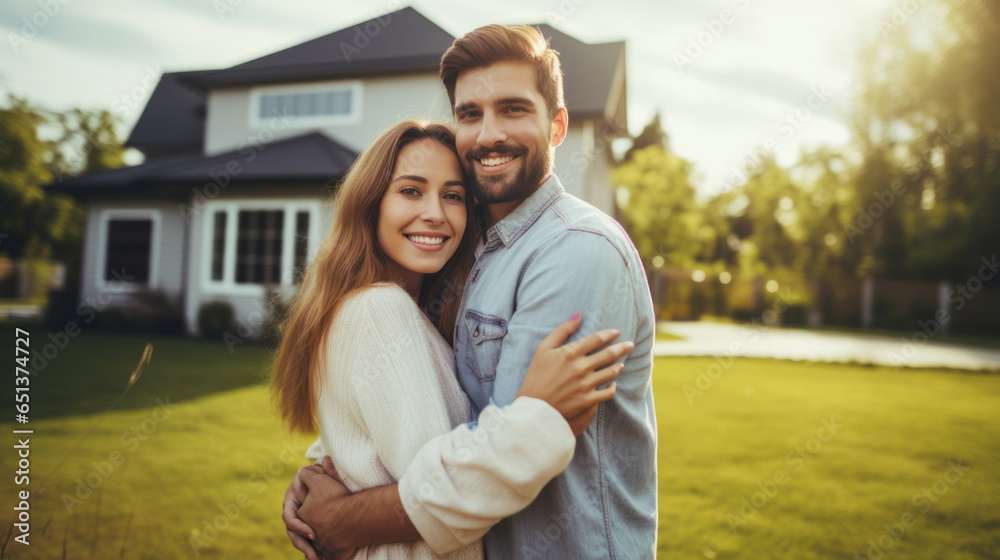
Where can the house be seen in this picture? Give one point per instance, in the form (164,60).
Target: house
(240,162)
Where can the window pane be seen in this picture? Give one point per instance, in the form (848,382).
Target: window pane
(268,106)
(258,246)
(301,245)
(218,245)
(341,103)
(128,250)
(307,104)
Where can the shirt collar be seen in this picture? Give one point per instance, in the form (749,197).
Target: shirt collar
(513,226)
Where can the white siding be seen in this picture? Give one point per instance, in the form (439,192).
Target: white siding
(582,167)
(247,300)
(385,100)
(167,240)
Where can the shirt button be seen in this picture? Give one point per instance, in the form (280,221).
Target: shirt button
(476,333)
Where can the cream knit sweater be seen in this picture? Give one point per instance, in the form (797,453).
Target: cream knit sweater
(390,391)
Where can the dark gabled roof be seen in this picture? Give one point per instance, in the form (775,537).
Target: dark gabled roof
(588,75)
(310,158)
(400,41)
(173,121)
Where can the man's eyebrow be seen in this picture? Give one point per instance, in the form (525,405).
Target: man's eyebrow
(465,107)
(515,101)
(416,178)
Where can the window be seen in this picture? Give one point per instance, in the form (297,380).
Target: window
(218,245)
(252,243)
(258,247)
(128,250)
(307,105)
(301,245)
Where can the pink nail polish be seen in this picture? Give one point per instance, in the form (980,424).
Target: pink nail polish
(575,317)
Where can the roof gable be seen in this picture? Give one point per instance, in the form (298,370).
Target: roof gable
(403,40)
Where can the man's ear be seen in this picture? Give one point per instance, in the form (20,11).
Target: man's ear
(560,127)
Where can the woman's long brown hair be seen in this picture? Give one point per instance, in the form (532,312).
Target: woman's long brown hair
(350,259)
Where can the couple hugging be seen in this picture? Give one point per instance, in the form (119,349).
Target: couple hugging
(437,341)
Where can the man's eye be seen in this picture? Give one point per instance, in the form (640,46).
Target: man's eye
(468,115)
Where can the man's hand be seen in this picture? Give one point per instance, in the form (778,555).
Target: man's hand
(298,531)
(323,489)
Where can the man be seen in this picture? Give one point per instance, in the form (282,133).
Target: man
(546,254)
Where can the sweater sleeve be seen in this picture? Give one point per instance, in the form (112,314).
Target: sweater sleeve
(395,383)
(462,483)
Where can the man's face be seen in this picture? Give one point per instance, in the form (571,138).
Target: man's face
(503,132)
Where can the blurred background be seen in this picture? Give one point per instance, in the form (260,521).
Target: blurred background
(812,186)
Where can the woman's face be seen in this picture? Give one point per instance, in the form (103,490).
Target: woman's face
(422,215)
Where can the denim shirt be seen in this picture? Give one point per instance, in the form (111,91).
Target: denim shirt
(553,256)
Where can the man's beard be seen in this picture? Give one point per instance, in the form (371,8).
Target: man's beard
(496,189)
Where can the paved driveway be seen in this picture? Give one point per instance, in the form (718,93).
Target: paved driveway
(723,339)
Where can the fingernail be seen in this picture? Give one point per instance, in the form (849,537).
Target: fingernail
(630,345)
(575,317)
(312,537)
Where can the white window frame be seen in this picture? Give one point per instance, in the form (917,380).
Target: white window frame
(228,284)
(108,214)
(354,117)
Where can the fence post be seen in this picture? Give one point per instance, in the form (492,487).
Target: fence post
(867,301)
(943,308)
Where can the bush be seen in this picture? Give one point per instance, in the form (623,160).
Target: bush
(149,312)
(215,318)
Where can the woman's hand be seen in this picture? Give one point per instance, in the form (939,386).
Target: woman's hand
(564,376)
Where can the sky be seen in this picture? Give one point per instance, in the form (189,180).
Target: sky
(728,77)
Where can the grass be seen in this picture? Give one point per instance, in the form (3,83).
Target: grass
(662,336)
(218,449)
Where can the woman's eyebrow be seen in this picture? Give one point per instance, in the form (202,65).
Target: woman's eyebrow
(416,178)
(454,184)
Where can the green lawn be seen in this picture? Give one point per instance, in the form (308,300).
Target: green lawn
(217,454)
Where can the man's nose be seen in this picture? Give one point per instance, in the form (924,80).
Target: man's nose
(492,132)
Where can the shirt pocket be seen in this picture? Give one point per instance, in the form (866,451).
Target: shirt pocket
(486,334)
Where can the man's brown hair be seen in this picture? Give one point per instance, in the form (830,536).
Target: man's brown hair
(493,43)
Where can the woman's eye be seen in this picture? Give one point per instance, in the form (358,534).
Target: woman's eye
(454,196)
(409,191)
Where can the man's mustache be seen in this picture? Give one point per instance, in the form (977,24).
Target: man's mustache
(501,150)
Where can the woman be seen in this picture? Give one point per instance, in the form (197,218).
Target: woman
(360,360)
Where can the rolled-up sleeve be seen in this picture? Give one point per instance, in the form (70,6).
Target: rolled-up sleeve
(462,483)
